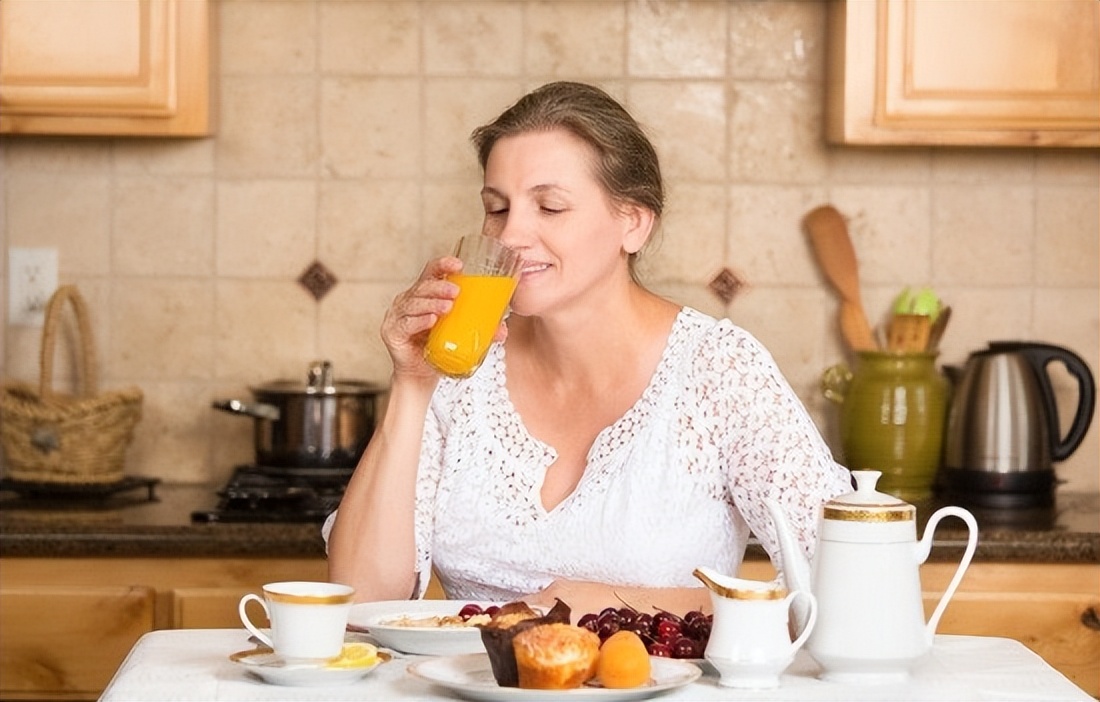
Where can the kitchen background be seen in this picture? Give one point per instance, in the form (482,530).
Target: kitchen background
(341,137)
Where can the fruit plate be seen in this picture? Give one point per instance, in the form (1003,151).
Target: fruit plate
(471,676)
(377,618)
(273,669)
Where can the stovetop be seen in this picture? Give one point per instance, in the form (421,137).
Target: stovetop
(278,494)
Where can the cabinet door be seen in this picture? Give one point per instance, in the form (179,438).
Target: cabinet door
(68,641)
(1050,608)
(210,608)
(136,67)
(969,72)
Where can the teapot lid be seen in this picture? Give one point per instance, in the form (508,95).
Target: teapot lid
(867,504)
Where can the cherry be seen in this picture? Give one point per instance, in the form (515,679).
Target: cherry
(666,628)
(590,622)
(492,610)
(684,648)
(660,650)
(470,610)
(607,628)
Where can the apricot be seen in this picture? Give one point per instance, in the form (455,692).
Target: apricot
(623,662)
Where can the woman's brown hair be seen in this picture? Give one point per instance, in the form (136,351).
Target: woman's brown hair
(626,163)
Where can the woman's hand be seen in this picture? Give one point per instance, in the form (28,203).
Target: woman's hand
(414,312)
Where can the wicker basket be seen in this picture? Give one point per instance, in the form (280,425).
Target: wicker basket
(54,438)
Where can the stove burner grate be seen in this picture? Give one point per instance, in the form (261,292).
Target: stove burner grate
(276,494)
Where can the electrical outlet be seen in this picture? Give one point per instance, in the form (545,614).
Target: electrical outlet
(32,279)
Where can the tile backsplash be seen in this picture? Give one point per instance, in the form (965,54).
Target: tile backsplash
(342,137)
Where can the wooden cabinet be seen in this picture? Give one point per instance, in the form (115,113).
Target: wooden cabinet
(68,623)
(105,67)
(965,72)
(1050,608)
(68,640)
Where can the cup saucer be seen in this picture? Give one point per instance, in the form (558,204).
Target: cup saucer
(276,670)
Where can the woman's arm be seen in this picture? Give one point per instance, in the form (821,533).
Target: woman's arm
(372,544)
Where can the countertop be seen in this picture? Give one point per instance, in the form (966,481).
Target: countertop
(134,526)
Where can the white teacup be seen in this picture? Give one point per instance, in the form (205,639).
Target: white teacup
(308,619)
(750,644)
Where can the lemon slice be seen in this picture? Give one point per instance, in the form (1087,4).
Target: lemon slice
(355,655)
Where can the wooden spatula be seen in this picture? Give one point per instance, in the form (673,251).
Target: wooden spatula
(837,258)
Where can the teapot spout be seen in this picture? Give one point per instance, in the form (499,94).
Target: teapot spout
(795,567)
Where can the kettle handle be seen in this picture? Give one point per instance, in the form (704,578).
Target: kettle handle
(1042,355)
(925,548)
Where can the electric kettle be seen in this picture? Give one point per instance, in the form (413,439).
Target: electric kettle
(1003,433)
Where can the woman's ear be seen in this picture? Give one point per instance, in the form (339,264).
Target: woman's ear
(639,223)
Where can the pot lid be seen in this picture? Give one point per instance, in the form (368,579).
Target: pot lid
(320,380)
(867,504)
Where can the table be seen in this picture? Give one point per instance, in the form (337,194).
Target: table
(193,665)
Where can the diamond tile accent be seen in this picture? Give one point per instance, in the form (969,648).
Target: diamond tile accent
(725,285)
(318,280)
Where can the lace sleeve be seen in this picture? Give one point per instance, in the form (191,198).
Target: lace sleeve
(774,448)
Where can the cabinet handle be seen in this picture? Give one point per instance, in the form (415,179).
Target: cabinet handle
(1090,619)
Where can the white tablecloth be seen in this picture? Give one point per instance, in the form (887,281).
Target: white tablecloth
(194,665)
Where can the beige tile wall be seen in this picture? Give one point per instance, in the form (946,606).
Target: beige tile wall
(342,137)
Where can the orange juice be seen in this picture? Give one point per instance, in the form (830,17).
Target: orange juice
(460,339)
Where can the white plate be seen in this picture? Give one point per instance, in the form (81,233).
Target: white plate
(277,671)
(471,676)
(430,641)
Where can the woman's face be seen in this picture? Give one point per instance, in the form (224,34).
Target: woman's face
(541,197)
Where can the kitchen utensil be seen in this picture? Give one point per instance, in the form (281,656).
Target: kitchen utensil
(938,328)
(322,423)
(908,333)
(865,575)
(1003,433)
(893,407)
(836,255)
(750,644)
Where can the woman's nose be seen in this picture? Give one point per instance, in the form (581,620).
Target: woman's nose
(512,233)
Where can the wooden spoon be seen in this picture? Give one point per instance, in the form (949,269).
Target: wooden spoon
(837,258)
(938,328)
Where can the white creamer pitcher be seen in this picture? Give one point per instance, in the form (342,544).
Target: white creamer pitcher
(866,577)
(750,643)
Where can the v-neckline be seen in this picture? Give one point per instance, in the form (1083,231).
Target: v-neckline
(549,452)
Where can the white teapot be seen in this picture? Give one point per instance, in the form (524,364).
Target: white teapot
(865,574)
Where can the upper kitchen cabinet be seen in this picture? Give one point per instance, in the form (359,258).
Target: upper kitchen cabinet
(965,72)
(105,67)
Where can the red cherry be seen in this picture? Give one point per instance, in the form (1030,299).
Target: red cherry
(470,610)
(660,650)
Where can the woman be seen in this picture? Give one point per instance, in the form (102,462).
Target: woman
(613,440)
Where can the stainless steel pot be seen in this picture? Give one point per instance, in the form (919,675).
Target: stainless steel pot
(320,423)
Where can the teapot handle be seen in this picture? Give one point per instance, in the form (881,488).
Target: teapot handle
(811,616)
(924,548)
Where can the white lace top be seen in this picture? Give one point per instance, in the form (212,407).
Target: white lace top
(674,484)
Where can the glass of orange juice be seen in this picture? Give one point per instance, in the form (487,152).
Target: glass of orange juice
(460,339)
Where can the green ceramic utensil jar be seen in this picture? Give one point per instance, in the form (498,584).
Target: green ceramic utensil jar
(893,408)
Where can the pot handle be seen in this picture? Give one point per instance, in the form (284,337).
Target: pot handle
(258,410)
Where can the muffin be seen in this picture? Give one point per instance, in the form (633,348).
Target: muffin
(555,656)
(497,636)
